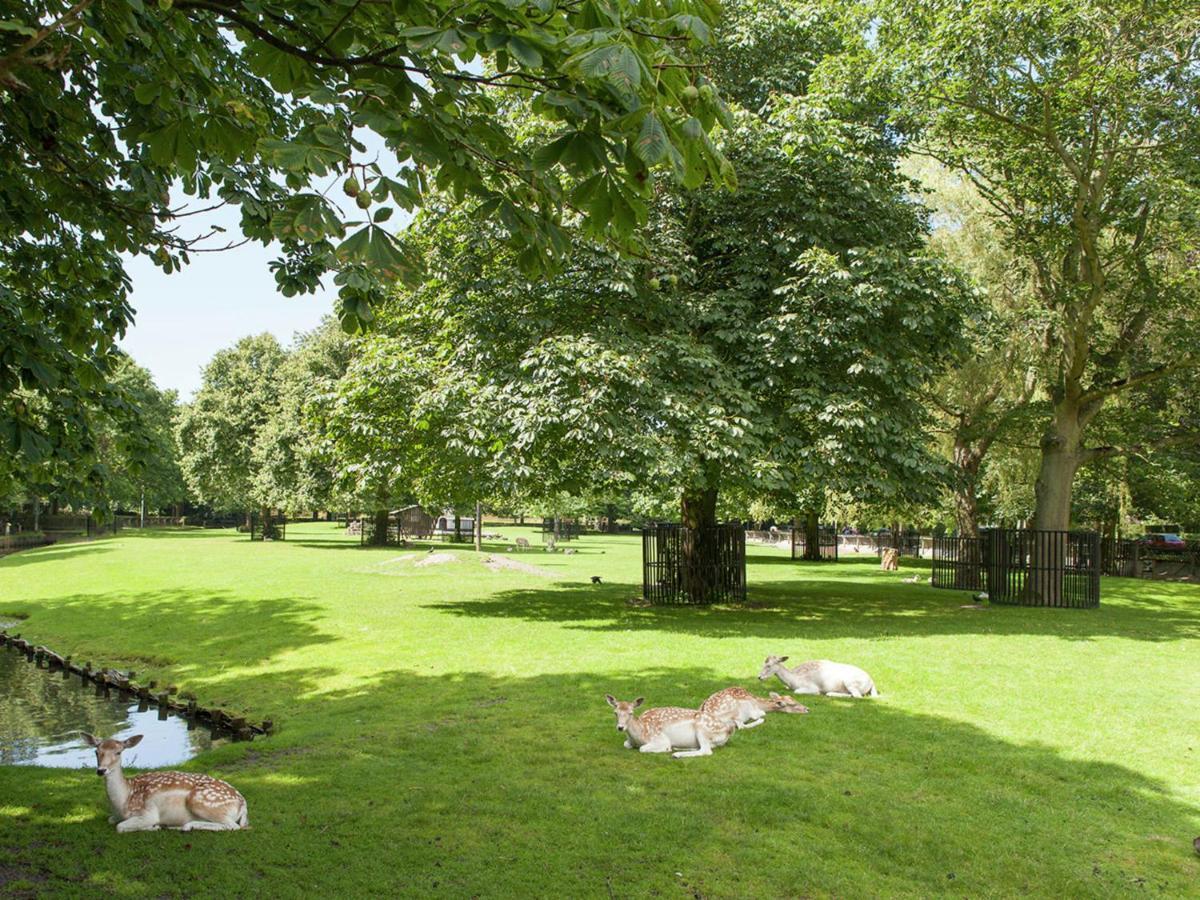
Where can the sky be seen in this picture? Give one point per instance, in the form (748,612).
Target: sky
(182,319)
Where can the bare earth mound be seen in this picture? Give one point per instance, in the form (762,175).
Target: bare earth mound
(500,563)
(435,559)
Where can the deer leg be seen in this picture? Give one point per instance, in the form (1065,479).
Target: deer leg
(138,823)
(705,748)
(660,744)
(854,692)
(752,723)
(197,825)
(840,694)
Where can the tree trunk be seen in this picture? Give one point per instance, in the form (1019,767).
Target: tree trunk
(1062,454)
(379,533)
(812,536)
(264,518)
(967,460)
(478,527)
(610,516)
(457,528)
(249,521)
(700,563)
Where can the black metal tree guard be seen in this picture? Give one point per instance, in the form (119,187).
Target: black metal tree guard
(827,544)
(1023,566)
(693,566)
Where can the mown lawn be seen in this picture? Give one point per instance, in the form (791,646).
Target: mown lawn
(443,729)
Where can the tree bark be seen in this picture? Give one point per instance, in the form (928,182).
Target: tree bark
(812,536)
(478,527)
(967,461)
(379,533)
(457,527)
(1062,454)
(699,566)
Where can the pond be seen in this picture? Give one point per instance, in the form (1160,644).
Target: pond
(42,713)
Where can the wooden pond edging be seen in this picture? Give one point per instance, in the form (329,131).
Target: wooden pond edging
(167,700)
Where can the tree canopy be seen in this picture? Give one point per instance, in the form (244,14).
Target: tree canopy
(768,336)
(1077,122)
(109,111)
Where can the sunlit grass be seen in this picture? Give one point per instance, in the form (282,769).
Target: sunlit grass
(443,729)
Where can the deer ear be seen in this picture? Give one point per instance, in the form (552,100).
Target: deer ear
(783,658)
(132,742)
(612,701)
(638,702)
(90,739)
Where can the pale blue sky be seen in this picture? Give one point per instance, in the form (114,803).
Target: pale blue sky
(184,318)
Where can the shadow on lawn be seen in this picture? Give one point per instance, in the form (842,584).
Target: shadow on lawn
(36,555)
(867,608)
(472,784)
(182,623)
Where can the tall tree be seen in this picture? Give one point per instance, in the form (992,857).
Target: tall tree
(778,333)
(108,108)
(141,464)
(218,430)
(1076,120)
(295,463)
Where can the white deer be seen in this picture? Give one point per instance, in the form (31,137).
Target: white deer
(165,799)
(820,676)
(738,705)
(689,732)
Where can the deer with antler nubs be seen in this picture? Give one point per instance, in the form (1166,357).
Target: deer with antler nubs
(688,732)
(179,800)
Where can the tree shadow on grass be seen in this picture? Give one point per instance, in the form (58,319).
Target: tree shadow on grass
(153,631)
(859,608)
(470,784)
(36,555)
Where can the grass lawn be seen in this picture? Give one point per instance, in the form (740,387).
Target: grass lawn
(443,729)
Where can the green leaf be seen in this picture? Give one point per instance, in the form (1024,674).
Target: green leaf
(526,54)
(652,143)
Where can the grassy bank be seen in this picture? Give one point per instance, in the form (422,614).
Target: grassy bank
(443,728)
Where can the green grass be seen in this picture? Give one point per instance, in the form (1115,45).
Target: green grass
(443,729)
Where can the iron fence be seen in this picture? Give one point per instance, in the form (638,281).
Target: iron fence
(827,544)
(1023,566)
(957,563)
(268,528)
(693,566)
(568,529)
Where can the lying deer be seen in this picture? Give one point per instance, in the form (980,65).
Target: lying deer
(820,676)
(689,732)
(744,710)
(165,799)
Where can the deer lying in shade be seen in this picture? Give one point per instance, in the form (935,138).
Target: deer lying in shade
(689,732)
(820,676)
(165,799)
(744,710)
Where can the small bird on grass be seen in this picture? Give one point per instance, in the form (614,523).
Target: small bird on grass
(595,579)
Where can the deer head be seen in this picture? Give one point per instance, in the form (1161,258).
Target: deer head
(781,703)
(624,710)
(108,752)
(771,666)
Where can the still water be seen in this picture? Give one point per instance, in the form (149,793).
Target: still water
(42,713)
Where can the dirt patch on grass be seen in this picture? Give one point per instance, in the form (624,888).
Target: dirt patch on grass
(435,559)
(503,563)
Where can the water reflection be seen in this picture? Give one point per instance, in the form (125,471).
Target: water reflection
(42,713)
